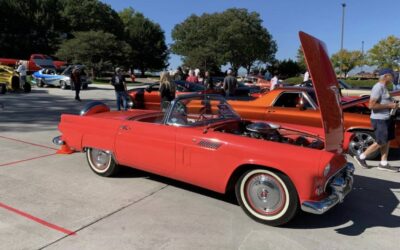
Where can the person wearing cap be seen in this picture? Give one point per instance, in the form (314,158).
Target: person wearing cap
(383,123)
(230,84)
(118,81)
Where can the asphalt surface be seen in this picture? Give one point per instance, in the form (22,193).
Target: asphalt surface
(51,201)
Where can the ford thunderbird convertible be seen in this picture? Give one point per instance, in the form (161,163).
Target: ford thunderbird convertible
(275,170)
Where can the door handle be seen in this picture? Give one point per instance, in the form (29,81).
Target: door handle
(271,111)
(124,127)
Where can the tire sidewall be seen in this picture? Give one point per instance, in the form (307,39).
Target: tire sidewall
(372,156)
(291,204)
(109,171)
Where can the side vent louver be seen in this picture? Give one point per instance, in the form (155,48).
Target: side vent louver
(209,144)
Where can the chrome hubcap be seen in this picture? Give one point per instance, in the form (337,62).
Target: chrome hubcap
(100,159)
(265,194)
(360,143)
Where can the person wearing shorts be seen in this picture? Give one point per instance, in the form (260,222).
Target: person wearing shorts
(382,122)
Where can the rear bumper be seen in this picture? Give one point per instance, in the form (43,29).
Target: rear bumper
(339,186)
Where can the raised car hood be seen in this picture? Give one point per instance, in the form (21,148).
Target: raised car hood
(326,89)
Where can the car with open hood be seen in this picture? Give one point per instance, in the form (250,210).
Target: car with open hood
(274,169)
(50,77)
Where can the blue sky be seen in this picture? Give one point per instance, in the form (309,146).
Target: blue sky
(365,20)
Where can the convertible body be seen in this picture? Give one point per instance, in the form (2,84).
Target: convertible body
(274,169)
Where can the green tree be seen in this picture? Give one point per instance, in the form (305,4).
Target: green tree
(147,40)
(300,59)
(386,53)
(196,40)
(27,27)
(346,60)
(85,15)
(288,68)
(96,49)
(234,37)
(244,40)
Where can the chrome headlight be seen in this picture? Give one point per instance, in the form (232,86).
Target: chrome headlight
(327,169)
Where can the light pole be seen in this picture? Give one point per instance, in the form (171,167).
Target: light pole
(362,56)
(341,40)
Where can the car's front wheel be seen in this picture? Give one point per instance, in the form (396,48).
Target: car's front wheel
(267,197)
(40,83)
(101,162)
(63,85)
(360,142)
(27,87)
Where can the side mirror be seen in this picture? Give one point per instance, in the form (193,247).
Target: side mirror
(149,89)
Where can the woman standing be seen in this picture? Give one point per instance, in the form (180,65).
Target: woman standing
(167,90)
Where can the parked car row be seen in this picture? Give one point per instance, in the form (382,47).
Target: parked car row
(274,168)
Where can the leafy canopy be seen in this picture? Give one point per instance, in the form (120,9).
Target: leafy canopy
(347,60)
(96,49)
(147,41)
(386,53)
(234,37)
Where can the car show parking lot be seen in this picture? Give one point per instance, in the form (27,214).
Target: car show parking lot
(54,201)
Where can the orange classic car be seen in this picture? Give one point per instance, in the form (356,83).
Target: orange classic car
(298,105)
(274,170)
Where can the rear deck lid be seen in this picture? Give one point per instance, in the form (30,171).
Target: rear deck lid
(326,89)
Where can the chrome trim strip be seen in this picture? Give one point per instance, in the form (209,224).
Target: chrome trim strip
(341,185)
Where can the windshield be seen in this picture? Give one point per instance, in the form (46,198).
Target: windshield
(183,86)
(344,84)
(195,110)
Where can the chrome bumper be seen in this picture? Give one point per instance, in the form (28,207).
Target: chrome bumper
(340,185)
(58,141)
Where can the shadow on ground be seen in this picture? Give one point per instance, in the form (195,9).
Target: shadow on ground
(370,204)
(38,110)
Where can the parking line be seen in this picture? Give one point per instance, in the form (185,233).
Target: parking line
(33,144)
(38,220)
(34,158)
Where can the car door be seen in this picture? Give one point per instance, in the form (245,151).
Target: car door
(285,109)
(146,145)
(199,159)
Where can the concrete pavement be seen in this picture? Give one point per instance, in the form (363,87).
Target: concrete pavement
(50,201)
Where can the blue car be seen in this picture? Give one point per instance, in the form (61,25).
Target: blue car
(49,77)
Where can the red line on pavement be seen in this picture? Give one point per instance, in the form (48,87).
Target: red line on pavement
(34,158)
(38,220)
(33,144)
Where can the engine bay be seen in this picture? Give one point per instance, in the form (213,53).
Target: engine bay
(270,132)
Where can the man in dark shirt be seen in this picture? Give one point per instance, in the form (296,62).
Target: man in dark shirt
(76,80)
(118,81)
(230,84)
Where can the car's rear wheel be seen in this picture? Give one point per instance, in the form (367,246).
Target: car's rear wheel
(360,142)
(15,83)
(3,88)
(101,162)
(267,197)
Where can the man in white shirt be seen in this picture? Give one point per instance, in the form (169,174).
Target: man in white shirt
(274,82)
(22,74)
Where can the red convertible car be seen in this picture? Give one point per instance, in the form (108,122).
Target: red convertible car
(274,170)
